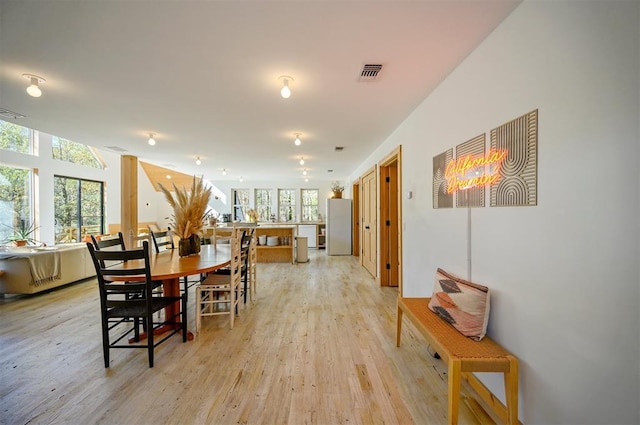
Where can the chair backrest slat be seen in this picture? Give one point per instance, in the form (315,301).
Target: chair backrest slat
(161,239)
(109,242)
(105,274)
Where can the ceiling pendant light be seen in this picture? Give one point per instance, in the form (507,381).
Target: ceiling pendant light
(198,162)
(285,91)
(224,172)
(301,160)
(151,140)
(241,179)
(34,88)
(304,172)
(297,142)
(306,179)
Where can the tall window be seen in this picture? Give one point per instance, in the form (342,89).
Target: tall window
(286,205)
(263,204)
(78,208)
(15,138)
(66,150)
(310,204)
(15,200)
(240,204)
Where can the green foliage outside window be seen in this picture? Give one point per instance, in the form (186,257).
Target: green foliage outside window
(15,183)
(310,205)
(14,137)
(77,153)
(286,205)
(240,204)
(15,200)
(263,204)
(78,208)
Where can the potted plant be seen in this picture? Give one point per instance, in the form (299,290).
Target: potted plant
(23,233)
(212,218)
(337,189)
(252,216)
(189,214)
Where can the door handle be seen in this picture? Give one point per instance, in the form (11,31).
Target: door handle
(366,227)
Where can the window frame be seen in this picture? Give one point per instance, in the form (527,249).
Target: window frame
(30,217)
(264,209)
(303,217)
(79,217)
(31,136)
(56,142)
(291,206)
(240,207)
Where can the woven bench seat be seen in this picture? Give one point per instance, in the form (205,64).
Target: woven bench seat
(464,356)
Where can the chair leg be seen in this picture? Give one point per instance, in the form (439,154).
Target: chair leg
(246,275)
(198,307)
(183,314)
(150,347)
(232,297)
(105,341)
(136,328)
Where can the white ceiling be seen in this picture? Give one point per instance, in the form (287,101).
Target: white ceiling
(203,76)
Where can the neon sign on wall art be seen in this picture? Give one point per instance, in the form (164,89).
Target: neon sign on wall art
(509,169)
(474,170)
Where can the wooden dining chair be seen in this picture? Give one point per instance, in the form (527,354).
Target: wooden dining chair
(218,294)
(109,243)
(120,301)
(248,242)
(162,239)
(253,263)
(248,269)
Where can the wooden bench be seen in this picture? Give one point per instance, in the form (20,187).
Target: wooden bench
(464,356)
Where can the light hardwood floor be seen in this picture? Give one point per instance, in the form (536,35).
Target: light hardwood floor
(317,346)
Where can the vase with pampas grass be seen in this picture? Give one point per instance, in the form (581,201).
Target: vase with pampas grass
(189,214)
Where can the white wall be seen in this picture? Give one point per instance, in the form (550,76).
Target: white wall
(564,274)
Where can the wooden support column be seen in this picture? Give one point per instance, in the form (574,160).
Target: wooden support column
(129,198)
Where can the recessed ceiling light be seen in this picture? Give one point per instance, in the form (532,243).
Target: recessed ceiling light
(34,88)
(285,91)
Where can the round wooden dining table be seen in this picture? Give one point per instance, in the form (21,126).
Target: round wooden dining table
(167,266)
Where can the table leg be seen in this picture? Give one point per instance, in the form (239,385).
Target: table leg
(170,288)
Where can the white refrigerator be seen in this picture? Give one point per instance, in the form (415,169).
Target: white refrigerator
(338,219)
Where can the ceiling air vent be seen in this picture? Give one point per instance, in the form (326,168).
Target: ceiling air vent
(115,149)
(338,148)
(5,113)
(370,72)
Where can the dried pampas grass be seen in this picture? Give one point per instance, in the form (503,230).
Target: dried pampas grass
(189,207)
